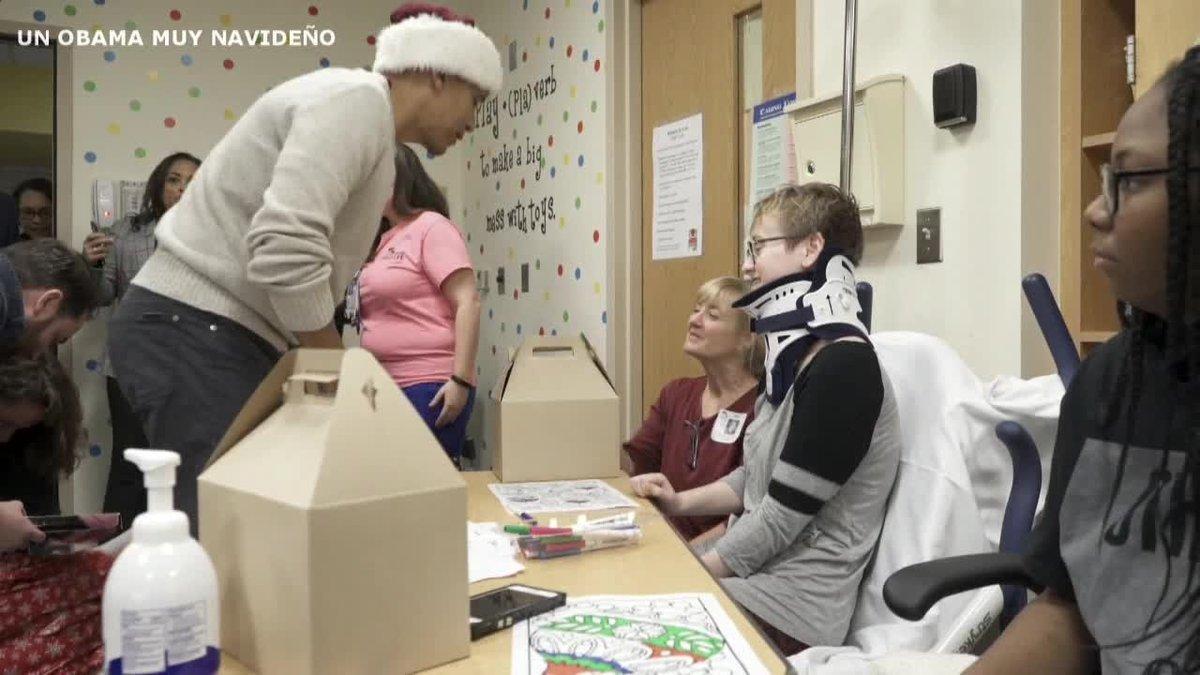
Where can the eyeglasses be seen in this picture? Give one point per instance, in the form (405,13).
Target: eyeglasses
(1110,182)
(44,213)
(754,246)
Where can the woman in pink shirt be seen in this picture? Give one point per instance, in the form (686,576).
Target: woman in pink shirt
(417,306)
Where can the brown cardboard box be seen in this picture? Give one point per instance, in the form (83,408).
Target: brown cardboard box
(555,414)
(337,525)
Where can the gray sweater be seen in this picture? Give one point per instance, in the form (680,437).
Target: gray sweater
(283,210)
(817,472)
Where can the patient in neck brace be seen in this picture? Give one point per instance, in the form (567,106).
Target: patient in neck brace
(807,505)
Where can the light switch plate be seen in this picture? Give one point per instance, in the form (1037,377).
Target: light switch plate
(929,236)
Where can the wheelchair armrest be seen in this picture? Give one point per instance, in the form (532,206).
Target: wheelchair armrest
(911,591)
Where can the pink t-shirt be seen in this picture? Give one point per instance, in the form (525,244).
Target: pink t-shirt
(406,321)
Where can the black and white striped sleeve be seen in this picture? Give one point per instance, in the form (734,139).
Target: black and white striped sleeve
(837,402)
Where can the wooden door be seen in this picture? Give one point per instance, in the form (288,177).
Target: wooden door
(690,65)
(1165,30)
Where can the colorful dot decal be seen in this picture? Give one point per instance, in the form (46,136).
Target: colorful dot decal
(547,15)
(226,20)
(89,157)
(578,274)
(553,171)
(114,129)
(554,332)
(596,66)
(229,114)
(594,106)
(566,316)
(570,50)
(550,141)
(312,10)
(551,42)
(518,329)
(596,288)
(69,10)
(324,62)
(596,236)
(560,270)
(176,15)
(110,56)
(578,202)
(186,59)
(584,56)
(566,115)
(371,41)
(194,92)
(600,26)
(595,6)
(89,86)
(604,316)
(99,2)
(228,64)
(489,314)
(95,450)
(40,16)
(579,127)
(152,75)
(135,105)
(574,91)
(516,294)
(546,296)
(140,153)
(169,123)
(131,25)
(581,160)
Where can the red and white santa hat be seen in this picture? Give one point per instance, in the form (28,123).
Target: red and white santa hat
(425,36)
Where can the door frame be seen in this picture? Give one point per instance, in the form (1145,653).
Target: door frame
(624,125)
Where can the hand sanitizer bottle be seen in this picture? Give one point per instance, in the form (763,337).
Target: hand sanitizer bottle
(160,601)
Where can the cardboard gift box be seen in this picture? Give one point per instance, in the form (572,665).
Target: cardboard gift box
(337,525)
(555,414)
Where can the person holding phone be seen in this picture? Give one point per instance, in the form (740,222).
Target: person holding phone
(131,248)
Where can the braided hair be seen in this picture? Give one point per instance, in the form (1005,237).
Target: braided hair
(1179,331)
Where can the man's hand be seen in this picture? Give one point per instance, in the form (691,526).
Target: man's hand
(325,338)
(16,530)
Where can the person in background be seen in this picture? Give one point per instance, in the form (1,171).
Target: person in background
(693,433)
(10,220)
(418,308)
(35,207)
(41,424)
(281,215)
(131,249)
(1118,545)
(822,453)
(57,291)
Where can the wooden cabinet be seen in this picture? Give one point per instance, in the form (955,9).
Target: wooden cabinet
(1095,93)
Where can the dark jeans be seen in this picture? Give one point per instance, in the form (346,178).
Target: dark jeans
(186,374)
(125,492)
(787,645)
(450,436)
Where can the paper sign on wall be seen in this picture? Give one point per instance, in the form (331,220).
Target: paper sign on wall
(773,159)
(678,156)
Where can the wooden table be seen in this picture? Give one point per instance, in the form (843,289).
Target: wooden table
(661,563)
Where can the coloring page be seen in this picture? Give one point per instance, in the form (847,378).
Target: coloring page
(560,496)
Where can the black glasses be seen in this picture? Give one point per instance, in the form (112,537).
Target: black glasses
(694,427)
(1110,182)
(754,246)
(44,213)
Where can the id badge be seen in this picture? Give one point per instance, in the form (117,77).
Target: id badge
(727,428)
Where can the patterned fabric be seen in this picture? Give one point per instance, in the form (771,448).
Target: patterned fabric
(130,251)
(50,613)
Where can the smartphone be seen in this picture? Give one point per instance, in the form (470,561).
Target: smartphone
(103,230)
(499,609)
(69,534)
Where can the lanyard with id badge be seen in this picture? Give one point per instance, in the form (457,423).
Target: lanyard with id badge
(726,429)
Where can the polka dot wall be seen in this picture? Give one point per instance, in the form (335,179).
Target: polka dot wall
(133,105)
(536,178)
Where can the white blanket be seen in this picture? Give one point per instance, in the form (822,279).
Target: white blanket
(950,491)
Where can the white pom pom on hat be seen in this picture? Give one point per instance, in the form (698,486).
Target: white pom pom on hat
(429,42)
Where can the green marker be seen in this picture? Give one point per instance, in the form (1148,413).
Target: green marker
(517,529)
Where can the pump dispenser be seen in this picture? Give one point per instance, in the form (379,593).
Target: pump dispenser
(160,601)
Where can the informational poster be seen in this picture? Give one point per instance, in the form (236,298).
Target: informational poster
(772,159)
(678,157)
(772,155)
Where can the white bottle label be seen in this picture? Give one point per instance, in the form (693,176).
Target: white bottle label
(152,639)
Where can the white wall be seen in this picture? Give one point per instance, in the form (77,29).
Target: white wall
(974,175)
(570,272)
